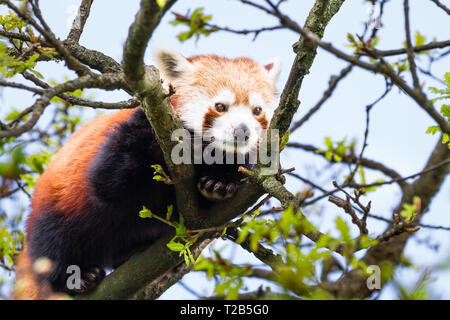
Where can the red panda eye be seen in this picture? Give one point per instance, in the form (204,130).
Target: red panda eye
(220,107)
(257,111)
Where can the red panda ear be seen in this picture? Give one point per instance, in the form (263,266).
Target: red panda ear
(171,64)
(274,69)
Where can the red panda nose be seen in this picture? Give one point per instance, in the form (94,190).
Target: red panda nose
(241,132)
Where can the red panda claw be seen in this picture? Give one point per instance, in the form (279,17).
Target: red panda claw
(217,190)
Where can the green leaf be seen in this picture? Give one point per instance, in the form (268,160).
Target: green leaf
(161,3)
(445,110)
(145,213)
(420,40)
(344,229)
(175,246)
(169,212)
(410,211)
(328,143)
(180,228)
(445,138)
(190,256)
(433,129)
(12,115)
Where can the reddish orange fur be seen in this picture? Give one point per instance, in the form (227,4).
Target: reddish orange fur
(25,287)
(60,183)
(243,76)
(67,172)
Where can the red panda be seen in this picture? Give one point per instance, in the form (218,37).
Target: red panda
(85,206)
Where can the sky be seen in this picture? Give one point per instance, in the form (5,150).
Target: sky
(397,126)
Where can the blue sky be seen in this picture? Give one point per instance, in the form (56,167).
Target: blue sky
(397,127)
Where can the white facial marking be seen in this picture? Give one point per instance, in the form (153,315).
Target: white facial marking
(225,96)
(256,100)
(225,127)
(193,112)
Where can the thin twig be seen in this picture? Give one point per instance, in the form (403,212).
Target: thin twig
(442,6)
(332,84)
(411,60)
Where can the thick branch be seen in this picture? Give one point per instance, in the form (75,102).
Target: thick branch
(145,82)
(146,21)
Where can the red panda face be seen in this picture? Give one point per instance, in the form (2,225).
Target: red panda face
(229,102)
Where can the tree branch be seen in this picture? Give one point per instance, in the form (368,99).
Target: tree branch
(107,81)
(80,20)
(72,62)
(442,6)
(332,84)
(145,82)
(368,163)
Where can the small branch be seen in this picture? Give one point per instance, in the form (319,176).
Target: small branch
(18,36)
(72,62)
(368,163)
(411,60)
(80,20)
(108,82)
(382,67)
(366,131)
(394,52)
(6,193)
(73,100)
(312,184)
(215,27)
(92,58)
(399,226)
(360,223)
(376,184)
(332,85)
(264,254)
(259,294)
(274,11)
(15,85)
(442,6)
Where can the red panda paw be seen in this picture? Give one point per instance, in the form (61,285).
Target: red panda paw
(216,190)
(90,279)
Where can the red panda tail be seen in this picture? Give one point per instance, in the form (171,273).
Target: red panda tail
(25,285)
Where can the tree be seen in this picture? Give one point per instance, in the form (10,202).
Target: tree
(298,258)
